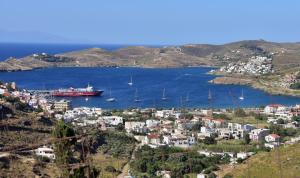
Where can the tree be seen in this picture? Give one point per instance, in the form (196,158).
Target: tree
(296,118)
(221,116)
(10,87)
(110,169)
(212,175)
(120,127)
(225,159)
(152,168)
(209,140)
(239,112)
(62,146)
(106,113)
(295,86)
(260,117)
(247,138)
(196,127)
(280,121)
(239,160)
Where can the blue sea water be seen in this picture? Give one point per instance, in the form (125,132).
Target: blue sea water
(19,50)
(178,83)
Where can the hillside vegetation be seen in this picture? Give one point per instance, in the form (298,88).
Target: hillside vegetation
(286,55)
(282,162)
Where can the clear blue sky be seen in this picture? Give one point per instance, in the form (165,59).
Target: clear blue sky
(149,21)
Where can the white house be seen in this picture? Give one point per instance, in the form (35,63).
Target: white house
(201,175)
(179,140)
(152,123)
(248,127)
(224,133)
(242,155)
(153,139)
(272,108)
(272,138)
(272,145)
(167,113)
(134,126)
(258,134)
(113,120)
(164,174)
(234,126)
(45,152)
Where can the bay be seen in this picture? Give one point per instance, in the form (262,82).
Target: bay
(179,83)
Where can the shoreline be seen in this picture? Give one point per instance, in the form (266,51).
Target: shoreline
(220,79)
(255,84)
(117,66)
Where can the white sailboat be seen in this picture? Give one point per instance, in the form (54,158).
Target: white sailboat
(209,95)
(164,95)
(242,96)
(187,98)
(110,99)
(136,96)
(130,83)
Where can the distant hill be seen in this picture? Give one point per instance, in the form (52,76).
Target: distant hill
(285,55)
(285,61)
(35,37)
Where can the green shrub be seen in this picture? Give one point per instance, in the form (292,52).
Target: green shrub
(295,86)
(110,169)
(209,140)
(239,112)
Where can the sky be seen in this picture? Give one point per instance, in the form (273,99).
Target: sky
(155,22)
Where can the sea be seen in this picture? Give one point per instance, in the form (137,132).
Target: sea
(186,87)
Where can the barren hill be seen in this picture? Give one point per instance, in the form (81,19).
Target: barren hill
(285,55)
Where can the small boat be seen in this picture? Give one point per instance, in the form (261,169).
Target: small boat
(130,83)
(209,95)
(110,99)
(136,97)
(187,98)
(164,95)
(242,96)
(86,99)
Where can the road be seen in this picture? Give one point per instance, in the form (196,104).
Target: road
(126,168)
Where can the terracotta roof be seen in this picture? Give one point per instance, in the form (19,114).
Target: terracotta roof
(275,136)
(275,105)
(153,136)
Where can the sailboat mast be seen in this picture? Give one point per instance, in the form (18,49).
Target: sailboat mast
(209,95)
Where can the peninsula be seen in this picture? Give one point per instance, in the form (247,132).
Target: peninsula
(270,66)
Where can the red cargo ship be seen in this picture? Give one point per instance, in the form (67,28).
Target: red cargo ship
(72,92)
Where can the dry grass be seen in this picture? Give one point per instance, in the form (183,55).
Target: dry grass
(248,120)
(101,161)
(284,161)
(23,166)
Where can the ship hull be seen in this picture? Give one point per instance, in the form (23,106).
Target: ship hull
(76,93)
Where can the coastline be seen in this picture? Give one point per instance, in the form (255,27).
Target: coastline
(219,78)
(109,66)
(254,83)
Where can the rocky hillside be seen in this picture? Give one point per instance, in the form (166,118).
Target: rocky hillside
(284,56)
(282,162)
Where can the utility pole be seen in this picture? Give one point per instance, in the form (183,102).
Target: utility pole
(279,161)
